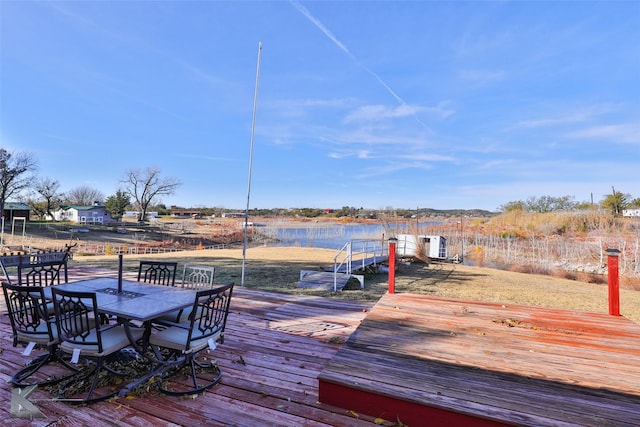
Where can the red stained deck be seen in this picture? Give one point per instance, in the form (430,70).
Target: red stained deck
(429,361)
(420,360)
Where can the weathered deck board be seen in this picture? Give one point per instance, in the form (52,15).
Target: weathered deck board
(274,349)
(492,363)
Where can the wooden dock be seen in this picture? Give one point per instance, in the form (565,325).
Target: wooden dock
(361,264)
(335,279)
(325,280)
(431,361)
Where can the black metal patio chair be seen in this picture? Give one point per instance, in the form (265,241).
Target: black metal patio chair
(158,272)
(87,340)
(44,273)
(5,273)
(32,326)
(196,277)
(180,344)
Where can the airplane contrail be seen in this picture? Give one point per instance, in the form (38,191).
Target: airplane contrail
(304,11)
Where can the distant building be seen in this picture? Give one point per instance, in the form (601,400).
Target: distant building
(16,210)
(135,214)
(95,214)
(631,212)
(232,215)
(185,213)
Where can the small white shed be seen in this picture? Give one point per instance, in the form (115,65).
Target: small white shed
(434,247)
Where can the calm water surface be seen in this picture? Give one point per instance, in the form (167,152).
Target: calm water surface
(328,236)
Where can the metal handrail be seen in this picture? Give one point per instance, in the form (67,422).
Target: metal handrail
(368,247)
(336,266)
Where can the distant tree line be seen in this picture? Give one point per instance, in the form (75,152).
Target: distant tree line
(140,190)
(615,202)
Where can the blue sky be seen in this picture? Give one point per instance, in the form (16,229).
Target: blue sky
(368,104)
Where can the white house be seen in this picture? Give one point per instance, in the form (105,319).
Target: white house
(95,214)
(631,212)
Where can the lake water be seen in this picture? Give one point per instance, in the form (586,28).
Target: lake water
(326,236)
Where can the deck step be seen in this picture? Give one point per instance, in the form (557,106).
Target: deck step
(322,280)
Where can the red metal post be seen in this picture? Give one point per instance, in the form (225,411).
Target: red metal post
(392,265)
(614,281)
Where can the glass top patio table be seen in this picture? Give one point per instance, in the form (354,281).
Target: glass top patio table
(139,301)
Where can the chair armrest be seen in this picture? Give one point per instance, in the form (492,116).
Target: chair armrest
(108,326)
(168,324)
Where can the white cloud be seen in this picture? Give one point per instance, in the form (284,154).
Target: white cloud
(368,113)
(573,116)
(380,112)
(390,168)
(481,77)
(431,157)
(621,133)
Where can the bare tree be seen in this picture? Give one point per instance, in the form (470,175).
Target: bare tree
(49,190)
(145,185)
(84,196)
(16,170)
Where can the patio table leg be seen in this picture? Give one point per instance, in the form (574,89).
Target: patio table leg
(141,348)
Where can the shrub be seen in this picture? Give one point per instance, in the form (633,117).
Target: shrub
(591,278)
(564,274)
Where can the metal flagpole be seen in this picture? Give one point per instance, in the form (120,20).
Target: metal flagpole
(253,128)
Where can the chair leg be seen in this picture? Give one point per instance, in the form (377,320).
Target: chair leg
(80,377)
(193,367)
(31,368)
(20,377)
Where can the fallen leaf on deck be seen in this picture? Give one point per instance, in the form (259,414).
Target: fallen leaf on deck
(336,340)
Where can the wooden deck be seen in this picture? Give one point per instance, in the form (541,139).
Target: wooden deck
(414,359)
(430,361)
(275,347)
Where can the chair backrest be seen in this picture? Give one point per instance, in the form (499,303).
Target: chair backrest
(198,277)
(4,271)
(54,263)
(44,273)
(209,316)
(77,318)
(158,272)
(28,314)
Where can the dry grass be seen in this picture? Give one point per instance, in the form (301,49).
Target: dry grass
(278,269)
